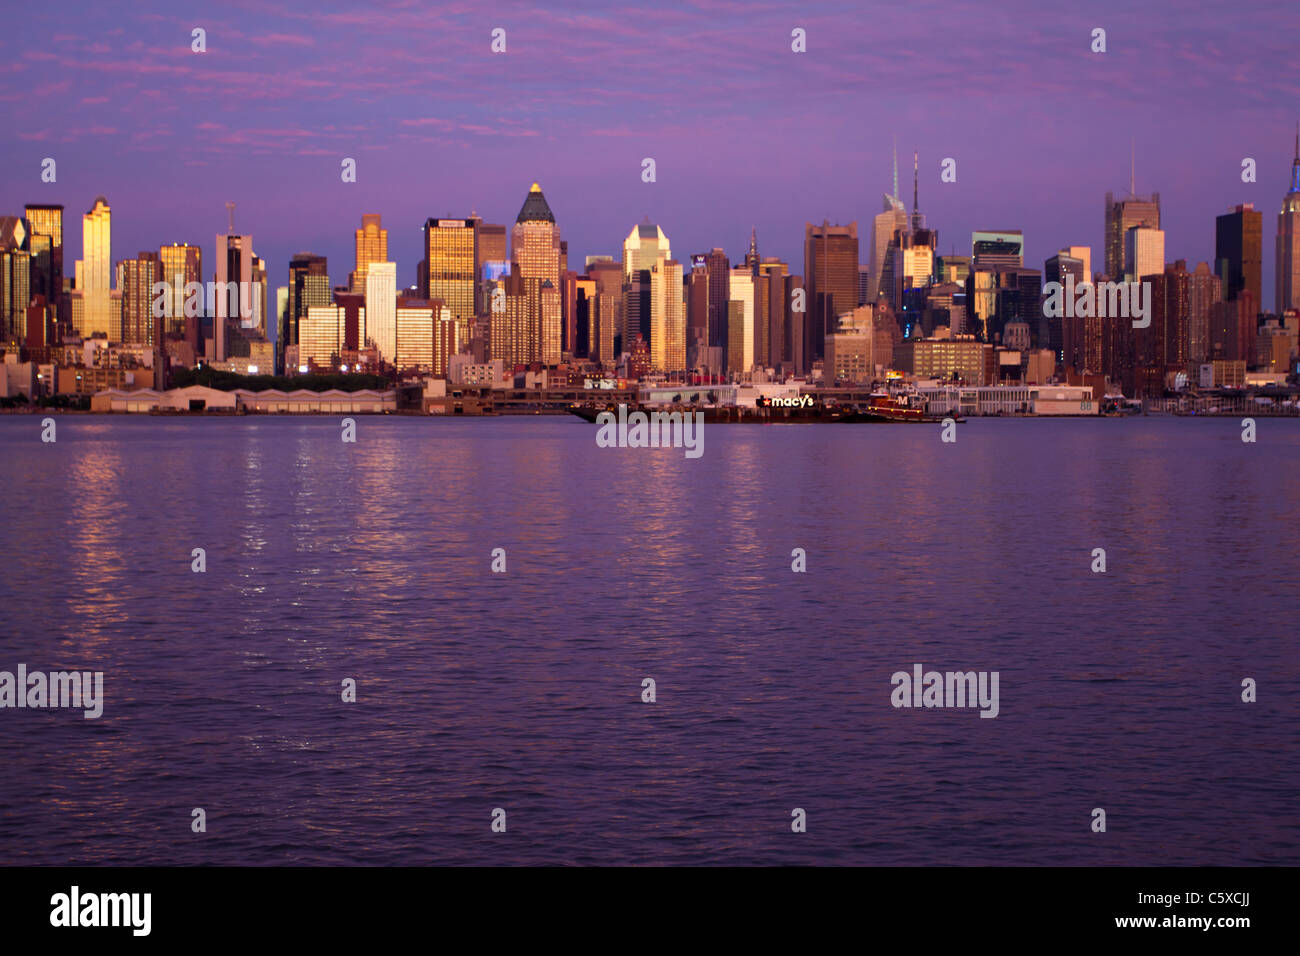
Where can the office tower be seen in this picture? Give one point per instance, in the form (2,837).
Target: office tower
(515,328)
(1084,254)
(952,268)
(381,308)
(997,250)
(773,336)
(1065,332)
(138,275)
(606,311)
(849,351)
(1205,289)
(1161,349)
(1233,324)
(371,246)
(1287,282)
(492,243)
(180,266)
(737,324)
(830,259)
(1121,216)
(549,350)
(644,246)
(415,334)
(323,333)
(584,295)
(259,327)
(762,311)
(608,276)
(234,286)
(1238,249)
(94,272)
(353,323)
(719,295)
(451,258)
(47,268)
(535,240)
(697,309)
(886,225)
(668,317)
(309,285)
(740,351)
(864,285)
(15,281)
(797,338)
(1144,253)
(281,325)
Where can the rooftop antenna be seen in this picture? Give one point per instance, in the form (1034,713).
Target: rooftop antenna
(1132,167)
(230,213)
(895,166)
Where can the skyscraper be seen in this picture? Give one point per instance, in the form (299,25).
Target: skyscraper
(1144,253)
(1287,283)
(94,271)
(1238,250)
(381,308)
(830,259)
(181,264)
(371,246)
(645,246)
(668,317)
(535,240)
(451,259)
(47,271)
(309,286)
(234,289)
(1121,216)
(139,326)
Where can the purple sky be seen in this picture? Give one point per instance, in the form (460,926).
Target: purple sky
(744,132)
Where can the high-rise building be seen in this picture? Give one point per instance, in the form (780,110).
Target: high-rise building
(1064,335)
(94,272)
(1121,216)
(1083,254)
(668,317)
(1287,282)
(381,309)
(774,333)
(1238,250)
(1144,253)
(234,289)
(740,350)
(451,262)
(371,246)
(719,294)
(15,280)
(309,286)
(47,270)
(535,240)
(181,267)
(997,250)
(138,275)
(830,259)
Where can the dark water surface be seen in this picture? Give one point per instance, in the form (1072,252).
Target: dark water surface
(522,690)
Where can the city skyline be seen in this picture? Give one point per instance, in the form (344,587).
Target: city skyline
(270,105)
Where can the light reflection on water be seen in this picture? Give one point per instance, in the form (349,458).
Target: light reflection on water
(372,561)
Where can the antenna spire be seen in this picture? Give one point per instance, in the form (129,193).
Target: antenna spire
(895,166)
(230,214)
(1132,167)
